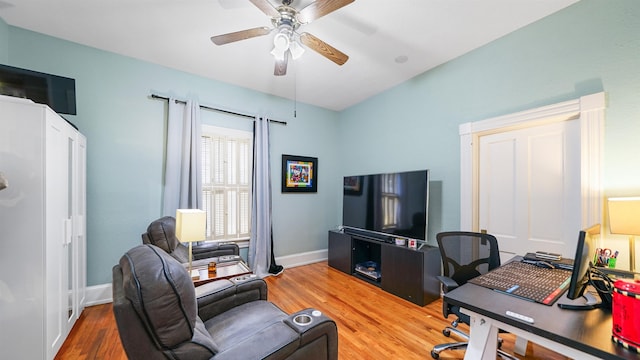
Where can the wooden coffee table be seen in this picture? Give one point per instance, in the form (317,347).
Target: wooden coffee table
(224,270)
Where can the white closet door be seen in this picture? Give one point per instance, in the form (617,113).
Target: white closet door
(42,219)
(58,231)
(529,188)
(80,224)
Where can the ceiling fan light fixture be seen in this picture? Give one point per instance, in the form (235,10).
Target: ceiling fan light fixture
(286,21)
(278,54)
(296,50)
(281,42)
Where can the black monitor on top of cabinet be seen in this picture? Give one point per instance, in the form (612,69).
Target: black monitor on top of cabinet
(58,92)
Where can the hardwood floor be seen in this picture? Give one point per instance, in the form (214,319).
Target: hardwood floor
(372,324)
(94,336)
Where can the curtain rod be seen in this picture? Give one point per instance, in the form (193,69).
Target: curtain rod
(154,96)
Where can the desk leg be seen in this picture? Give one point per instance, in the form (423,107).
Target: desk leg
(483,339)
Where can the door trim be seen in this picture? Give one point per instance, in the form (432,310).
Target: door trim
(589,109)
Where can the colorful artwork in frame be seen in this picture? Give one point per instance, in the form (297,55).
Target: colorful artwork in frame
(299,174)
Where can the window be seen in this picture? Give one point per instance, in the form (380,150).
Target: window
(226,182)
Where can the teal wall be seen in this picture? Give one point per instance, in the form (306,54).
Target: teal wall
(125,130)
(4,42)
(589,47)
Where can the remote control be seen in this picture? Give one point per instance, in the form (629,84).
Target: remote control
(227,258)
(520,317)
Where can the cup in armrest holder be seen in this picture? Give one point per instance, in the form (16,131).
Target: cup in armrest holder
(302,319)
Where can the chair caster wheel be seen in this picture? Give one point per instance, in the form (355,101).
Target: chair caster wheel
(434,354)
(446,333)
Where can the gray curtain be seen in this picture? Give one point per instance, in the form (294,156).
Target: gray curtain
(182,176)
(260,251)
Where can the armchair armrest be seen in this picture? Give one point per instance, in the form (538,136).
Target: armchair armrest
(219,296)
(447,283)
(307,322)
(315,338)
(312,325)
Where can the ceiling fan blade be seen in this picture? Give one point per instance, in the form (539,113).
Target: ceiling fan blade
(266,7)
(320,8)
(281,66)
(240,35)
(324,49)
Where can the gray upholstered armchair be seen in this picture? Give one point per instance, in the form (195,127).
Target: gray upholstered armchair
(160,315)
(162,233)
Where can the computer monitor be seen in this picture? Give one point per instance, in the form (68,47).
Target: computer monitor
(584,273)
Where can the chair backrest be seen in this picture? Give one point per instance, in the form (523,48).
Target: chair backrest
(466,255)
(155,307)
(162,233)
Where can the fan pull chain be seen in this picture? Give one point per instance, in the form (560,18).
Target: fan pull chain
(295,91)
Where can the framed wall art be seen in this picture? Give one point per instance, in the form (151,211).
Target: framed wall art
(299,174)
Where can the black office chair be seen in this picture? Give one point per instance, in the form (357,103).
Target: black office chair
(465,255)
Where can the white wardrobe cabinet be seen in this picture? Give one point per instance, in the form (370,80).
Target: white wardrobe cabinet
(42,229)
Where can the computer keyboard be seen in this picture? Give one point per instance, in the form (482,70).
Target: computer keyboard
(527,281)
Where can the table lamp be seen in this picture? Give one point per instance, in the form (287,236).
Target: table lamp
(624,219)
(191,225)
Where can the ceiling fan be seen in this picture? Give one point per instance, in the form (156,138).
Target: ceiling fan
(286,20)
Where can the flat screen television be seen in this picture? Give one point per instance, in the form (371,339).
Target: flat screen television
(387,205)
(56,91)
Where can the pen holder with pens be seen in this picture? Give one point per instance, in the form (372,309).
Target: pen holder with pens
(605,258)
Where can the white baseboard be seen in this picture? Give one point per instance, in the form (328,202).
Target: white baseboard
(98,294)
(102,294)
(300,259)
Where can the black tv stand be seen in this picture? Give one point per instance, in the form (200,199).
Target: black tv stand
(404,272)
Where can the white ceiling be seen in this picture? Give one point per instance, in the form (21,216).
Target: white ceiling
(374,33)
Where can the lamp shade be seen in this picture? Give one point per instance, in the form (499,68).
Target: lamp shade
(296,50)
(191,225)
(624,215)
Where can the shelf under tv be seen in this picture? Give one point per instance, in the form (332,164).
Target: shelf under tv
(369,269)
